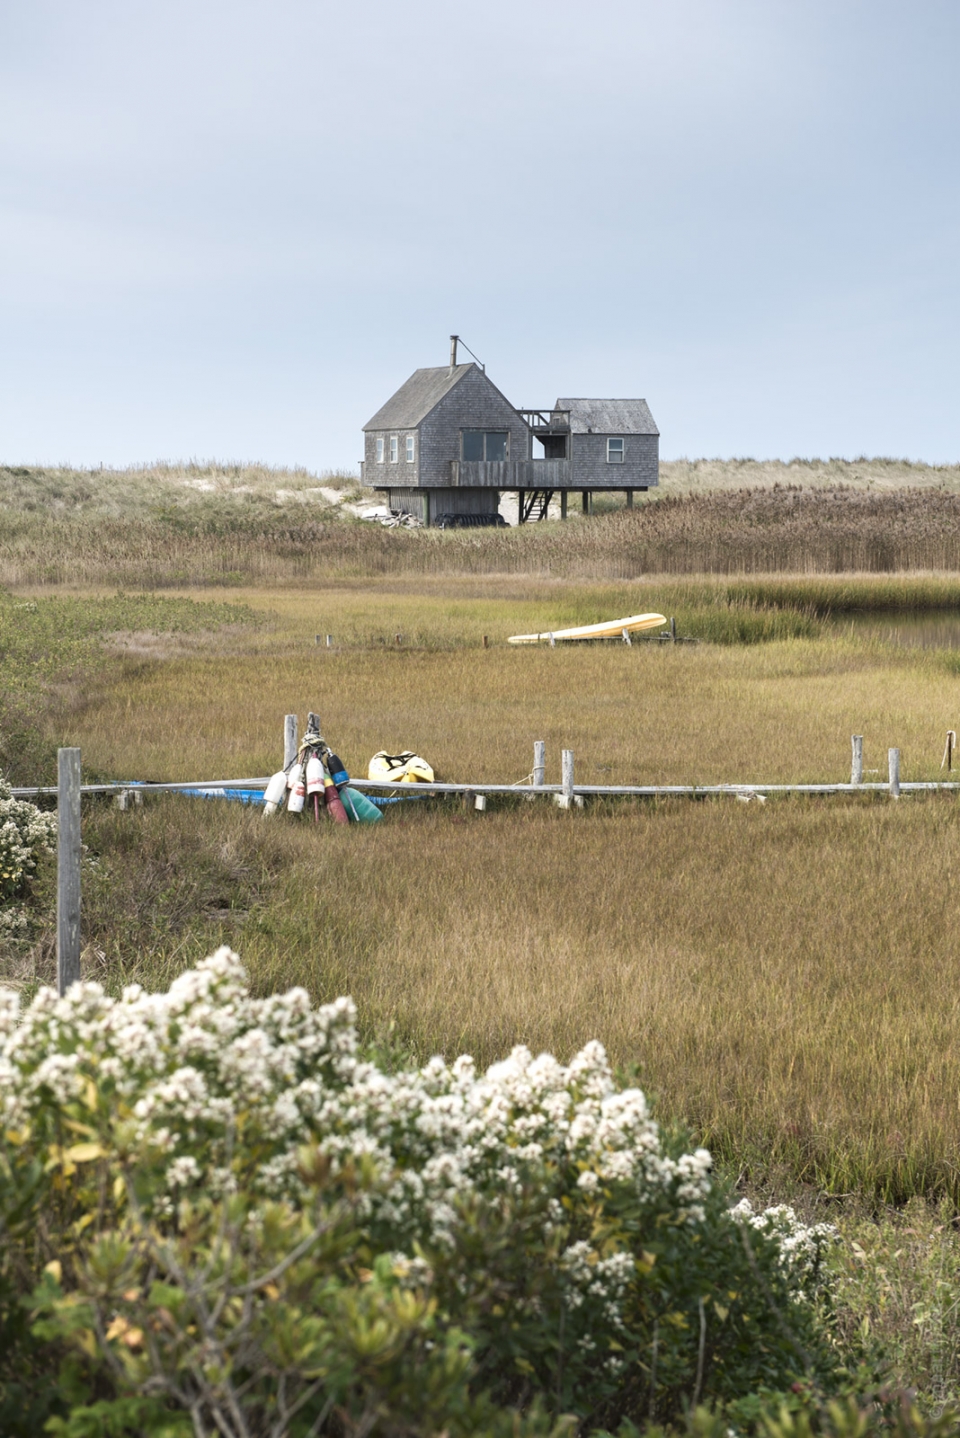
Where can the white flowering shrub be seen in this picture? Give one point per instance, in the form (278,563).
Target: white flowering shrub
(528,1229)
(25,833)
(802,1248)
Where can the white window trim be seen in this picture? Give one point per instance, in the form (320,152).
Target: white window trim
(394,448)
(616,456)
(410,448)
(380,449)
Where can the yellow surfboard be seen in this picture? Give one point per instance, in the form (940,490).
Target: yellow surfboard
(610,629)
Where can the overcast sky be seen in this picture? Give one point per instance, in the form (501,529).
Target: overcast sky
(230,230)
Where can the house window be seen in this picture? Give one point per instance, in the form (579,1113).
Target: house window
(614,451)
(409,449)
(380,450)
(394,449)
(485,444)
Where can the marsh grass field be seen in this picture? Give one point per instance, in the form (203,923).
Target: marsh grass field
(783,978)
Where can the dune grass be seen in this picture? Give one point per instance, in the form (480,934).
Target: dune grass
(169,526)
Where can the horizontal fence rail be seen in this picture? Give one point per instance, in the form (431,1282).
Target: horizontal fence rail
(567,793)
(597,791)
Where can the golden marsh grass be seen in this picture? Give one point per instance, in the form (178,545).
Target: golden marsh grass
(783,976)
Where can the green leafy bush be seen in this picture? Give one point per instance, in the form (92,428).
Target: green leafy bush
(222,1218)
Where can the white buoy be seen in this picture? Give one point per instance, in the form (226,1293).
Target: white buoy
(314,775)
(274,792)
(298,793)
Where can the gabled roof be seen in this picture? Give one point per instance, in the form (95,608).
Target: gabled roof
(609,416)
(414,400)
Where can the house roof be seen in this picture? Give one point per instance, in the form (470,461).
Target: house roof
(609,416)
(415,399)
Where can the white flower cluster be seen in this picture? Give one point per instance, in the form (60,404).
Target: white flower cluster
(212,1088)
(190,1066)
(25,832)
(803,1247)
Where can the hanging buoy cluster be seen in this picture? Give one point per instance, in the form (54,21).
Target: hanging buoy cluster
(316,781)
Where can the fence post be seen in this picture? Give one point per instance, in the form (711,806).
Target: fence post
(893,764)
(856,763)
(539,762)
(68,868)
(289,740)
(566,778)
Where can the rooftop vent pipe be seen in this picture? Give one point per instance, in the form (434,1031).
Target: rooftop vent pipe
(453,351)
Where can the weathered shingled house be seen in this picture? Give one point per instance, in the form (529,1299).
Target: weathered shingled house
(448,444)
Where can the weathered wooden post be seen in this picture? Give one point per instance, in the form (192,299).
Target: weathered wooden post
(539,762)
(289,740)
(566,778)
(673,631)
(68,868)
(893,765)
(329,641)
(625,634)
(856,763)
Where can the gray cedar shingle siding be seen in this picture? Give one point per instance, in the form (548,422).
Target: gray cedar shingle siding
(435,405)
(592,423)
(475,403)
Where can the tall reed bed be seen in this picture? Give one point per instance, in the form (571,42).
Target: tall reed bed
(216,541)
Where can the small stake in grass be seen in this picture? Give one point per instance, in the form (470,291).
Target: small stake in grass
(539,762)
(949,747)
(856,763)
(68,868)
(893,765)
(626,638)
(486,642)
(399,638)
(329,641)
(673,631)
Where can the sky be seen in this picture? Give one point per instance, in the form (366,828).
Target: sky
(230,230)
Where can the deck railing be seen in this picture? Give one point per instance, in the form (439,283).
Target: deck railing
(510,473)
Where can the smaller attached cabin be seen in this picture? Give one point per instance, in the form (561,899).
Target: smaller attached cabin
(448,443)
(614,443)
